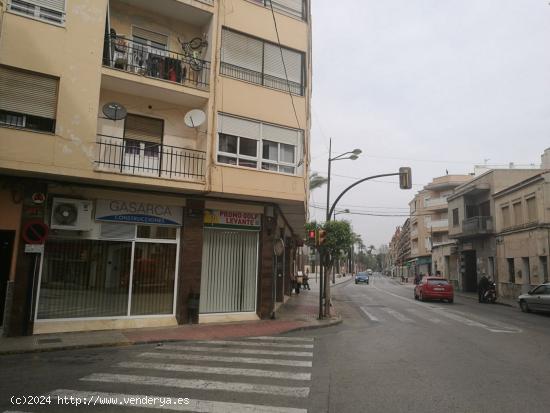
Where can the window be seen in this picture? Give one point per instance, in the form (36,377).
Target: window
(518,213)
(239,140)
(455,217)
(511,270)
(294,8)
(253,60)
(526,269)
(531,209)
(543,262)
(505,211)
(51,11)
(27,100)
(143,135)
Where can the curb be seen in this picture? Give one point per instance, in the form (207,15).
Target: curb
(496,302)
(329,323)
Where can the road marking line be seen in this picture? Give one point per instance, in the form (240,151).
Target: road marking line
(172,403)
(252,344)
(217,370)
(420,314)
(453,316)
(246,360)
(277,338)
(199,384)
(237,350)
(369,315)
(398,315)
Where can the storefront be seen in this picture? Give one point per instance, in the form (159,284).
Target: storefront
(116,267)
(229,276)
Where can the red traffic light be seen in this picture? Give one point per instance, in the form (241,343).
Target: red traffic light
(311,234)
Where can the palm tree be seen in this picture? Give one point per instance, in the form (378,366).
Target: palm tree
(371,248)
(316,181)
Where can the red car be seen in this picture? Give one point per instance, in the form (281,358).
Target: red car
(434,288)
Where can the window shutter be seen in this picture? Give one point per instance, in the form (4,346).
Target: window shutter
(142,128)
(238,127)
(281,135)
(57,5)
(273,65)
(241,51)
(28,93)
(149,35)
(291,7)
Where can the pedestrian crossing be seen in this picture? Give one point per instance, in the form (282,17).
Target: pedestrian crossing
(433,314)
(251,375)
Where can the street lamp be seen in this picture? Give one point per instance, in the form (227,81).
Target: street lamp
(344,211)
(353,155)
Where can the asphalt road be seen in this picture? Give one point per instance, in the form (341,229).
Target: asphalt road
(391,354)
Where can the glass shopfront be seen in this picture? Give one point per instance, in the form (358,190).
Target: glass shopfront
(114,270)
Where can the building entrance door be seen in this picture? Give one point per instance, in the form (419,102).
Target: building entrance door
(470,271)
(6,251)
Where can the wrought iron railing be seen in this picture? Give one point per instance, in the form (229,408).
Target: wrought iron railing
(134,57)
(477,225)
(259,78)
(129,156)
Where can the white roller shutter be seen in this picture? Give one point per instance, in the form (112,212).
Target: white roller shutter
(57,5)
(242,51)
(238,127)
(143,128)
(273,64)
(28,93)
(281,135)
(149,35)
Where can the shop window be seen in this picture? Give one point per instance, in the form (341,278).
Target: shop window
(27,100)
(156,232)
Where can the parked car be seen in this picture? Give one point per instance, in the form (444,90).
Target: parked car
(434,288)
(361,277)
(538,299)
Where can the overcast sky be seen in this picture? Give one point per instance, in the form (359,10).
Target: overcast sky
(432,84)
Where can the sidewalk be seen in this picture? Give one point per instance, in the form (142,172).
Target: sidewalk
(472,296)
(298,313)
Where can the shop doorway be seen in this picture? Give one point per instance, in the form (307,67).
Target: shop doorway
(6,252)
(470,271)
(229,271)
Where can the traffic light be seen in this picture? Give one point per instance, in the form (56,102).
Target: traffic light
(405,178)
(322,237)
(311,236)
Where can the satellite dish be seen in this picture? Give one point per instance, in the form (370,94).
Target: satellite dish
(194,118)
(114,111)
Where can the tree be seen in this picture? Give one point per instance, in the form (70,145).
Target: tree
(340,238)
(316,181)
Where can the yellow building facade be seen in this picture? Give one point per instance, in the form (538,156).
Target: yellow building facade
(164,146)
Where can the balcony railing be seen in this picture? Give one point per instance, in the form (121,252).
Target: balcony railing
(477,225)
(435,203)
(259,78)
(141,59)
(150,159)
(440,223)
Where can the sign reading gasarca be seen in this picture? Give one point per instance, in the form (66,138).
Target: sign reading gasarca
(232,219)
(113,210)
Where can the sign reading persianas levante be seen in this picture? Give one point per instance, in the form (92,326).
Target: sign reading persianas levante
(112,210)
(231,219)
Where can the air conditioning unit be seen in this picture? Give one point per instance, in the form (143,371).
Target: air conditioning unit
(71,214)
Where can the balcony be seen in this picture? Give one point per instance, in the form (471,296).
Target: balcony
(480,225)
(158,63)
(439,224)
(436,203)
(148,159)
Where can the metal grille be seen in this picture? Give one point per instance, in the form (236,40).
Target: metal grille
(229,271)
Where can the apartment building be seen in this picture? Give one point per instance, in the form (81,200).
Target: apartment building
(522,230)
(430,225)
(472,224)
(153,160)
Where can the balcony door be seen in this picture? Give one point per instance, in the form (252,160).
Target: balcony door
(142,145)
(148,51)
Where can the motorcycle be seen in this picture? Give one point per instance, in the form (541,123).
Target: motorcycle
(490,294)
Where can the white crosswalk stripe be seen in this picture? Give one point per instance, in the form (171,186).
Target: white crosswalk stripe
(190,368)
(247,360)
(220,380)
(208,349)
(398,315)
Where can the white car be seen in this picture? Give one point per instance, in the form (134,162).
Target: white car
(538,299)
